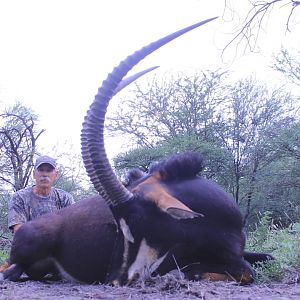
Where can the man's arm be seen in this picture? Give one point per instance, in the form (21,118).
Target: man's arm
(16,213)
(63,198)
(67,199)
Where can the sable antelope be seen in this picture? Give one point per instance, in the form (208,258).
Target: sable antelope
(170,217)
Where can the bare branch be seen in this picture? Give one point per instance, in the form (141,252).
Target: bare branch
(253,22)
(18,138)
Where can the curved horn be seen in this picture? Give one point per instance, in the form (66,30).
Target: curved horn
(131,79)
(92,135)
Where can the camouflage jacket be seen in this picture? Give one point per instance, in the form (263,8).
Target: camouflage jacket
(25,205)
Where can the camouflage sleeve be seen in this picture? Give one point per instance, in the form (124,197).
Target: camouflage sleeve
(69,200)
(65,198)
(16,211)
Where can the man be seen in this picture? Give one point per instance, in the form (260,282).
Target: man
(32,202)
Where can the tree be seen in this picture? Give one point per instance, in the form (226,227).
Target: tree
(236,134)
(18,137)
(217,160)
(288,141)
(4,198)
(251,125)
(278,185)
(257,17)
(72,177)
(253,115)
(168,108)
(288,65)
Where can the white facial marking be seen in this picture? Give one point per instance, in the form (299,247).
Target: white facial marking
(126,231)
(146,261)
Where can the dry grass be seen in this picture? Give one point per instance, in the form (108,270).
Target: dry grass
(165,287)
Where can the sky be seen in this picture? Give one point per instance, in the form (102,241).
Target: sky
(54,54)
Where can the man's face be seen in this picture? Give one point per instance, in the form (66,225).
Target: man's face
(45,175)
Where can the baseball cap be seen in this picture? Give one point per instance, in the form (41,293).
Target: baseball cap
(45,160)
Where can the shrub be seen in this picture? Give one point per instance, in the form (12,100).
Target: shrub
(4,253)
(282,243)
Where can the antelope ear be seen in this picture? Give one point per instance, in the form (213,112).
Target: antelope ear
(174,207)
(181,214)
(153,191)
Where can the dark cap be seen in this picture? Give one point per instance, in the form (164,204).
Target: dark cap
(45,160)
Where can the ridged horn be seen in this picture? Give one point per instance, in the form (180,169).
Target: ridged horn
(131,79)
(93,151)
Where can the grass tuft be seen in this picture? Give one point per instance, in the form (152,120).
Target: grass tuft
(282,243)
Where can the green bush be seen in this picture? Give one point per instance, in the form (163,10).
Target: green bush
(282,243)
(4,253)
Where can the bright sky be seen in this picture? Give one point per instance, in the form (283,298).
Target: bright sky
(54,54)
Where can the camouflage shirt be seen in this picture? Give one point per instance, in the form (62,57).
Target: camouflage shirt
(25,205)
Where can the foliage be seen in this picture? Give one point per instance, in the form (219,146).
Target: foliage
(289,65)
(216,159)
(245,131)
(252,112)
(170,107)
(282,243)
(72,177)
(4,198)
(278,183)
(278,191)
(4,254)
(72,184)
(18,137)
(287,141)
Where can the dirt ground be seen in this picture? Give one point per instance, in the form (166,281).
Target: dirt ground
(165,287)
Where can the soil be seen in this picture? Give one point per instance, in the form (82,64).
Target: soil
(165,287)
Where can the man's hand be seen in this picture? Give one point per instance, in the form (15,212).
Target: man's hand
(16,227)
